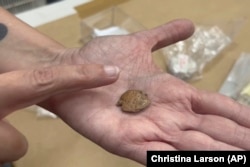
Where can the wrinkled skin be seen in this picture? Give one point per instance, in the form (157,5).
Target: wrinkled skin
(179,117)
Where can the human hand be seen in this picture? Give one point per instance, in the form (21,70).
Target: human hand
(27,87)
(179,117)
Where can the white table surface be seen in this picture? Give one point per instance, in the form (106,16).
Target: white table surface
(51,12)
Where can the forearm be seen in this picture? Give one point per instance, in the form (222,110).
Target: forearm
(21,46)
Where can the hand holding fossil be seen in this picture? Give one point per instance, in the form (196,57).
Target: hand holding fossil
(179,116)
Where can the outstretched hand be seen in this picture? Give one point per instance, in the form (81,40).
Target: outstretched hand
(179,117)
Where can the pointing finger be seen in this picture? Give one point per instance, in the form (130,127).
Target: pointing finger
(23,88)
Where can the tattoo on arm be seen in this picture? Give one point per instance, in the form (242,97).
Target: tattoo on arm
(3,31)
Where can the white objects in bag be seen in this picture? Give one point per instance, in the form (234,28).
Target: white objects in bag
(205,44)
(114,30)
(183,66)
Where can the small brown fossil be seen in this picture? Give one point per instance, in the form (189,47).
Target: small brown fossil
(133,101)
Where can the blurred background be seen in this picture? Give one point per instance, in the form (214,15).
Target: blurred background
(215,59)
(17,6)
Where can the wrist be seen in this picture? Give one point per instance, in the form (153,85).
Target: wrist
(34,58)
(23,47)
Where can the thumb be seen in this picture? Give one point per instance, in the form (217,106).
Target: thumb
(168,33)
(23,88)
(13,144)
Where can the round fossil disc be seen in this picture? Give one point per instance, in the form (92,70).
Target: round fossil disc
(133,101)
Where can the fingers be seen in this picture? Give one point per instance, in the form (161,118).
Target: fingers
(216,104)
(194,140)
(23,88)
(167,34)
(224,130)
(13,144)
(223,119)
(140,152)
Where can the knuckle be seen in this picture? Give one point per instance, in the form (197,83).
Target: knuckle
(42,77)
(85,73)
(240,134)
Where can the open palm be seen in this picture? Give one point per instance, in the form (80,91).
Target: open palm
(179,116)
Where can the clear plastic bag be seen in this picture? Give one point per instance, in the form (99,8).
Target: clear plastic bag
(235,85)
(111,21)
(187,59)
(244,96)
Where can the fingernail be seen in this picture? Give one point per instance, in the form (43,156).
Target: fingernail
(111,71)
